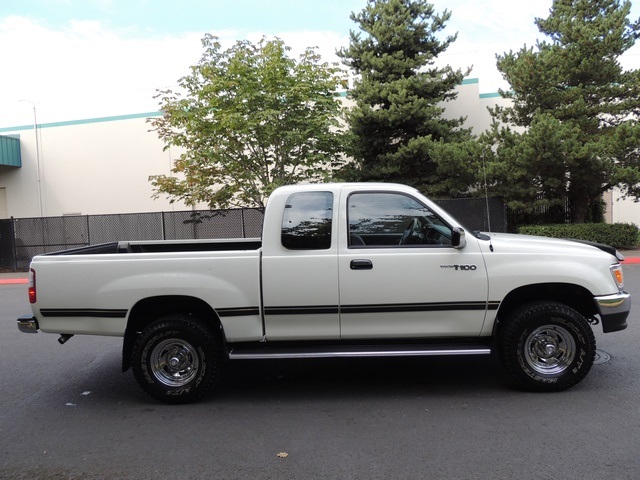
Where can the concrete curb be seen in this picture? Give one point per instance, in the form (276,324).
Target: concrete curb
(630,257)
(14,278)
(13,281)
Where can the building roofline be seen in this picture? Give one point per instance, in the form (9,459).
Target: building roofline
(115,118)
(85,121)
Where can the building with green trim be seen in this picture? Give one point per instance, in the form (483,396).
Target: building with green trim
(104,165)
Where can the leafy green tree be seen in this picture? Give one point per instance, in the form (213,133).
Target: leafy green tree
(397,128)
(249,119)
(574,112)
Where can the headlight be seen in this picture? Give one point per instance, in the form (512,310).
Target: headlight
(618,277)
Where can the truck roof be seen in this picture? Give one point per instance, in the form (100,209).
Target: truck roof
(336,186)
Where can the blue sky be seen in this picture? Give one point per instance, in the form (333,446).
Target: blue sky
(76,59)
(162,17)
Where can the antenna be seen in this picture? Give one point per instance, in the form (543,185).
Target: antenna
(486,191)
(486,199)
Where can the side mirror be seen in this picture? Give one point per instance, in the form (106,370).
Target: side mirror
(457,238)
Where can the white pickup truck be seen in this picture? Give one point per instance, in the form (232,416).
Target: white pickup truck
(342,270)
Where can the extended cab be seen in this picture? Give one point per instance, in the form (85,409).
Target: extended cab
(341,270)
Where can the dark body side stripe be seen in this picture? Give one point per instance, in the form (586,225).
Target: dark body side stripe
(383,308)
(83,312)
(283,310)
(238,312)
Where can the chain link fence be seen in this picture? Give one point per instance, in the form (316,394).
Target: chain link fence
(22,238)
(481,214)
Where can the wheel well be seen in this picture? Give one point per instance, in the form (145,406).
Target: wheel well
(574,296)
(150,309)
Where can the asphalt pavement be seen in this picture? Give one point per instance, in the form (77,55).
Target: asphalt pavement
(67,412)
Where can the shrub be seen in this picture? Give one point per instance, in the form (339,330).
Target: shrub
(619,235)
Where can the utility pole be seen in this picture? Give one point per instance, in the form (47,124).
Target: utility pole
(38,176)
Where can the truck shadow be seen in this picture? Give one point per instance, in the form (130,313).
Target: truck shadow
(336,378)
(245,381)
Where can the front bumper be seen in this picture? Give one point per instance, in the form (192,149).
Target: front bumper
(28,324)
(614,310)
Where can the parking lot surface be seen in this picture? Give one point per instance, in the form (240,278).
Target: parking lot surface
(67,411)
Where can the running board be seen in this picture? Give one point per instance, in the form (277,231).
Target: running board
(351,351)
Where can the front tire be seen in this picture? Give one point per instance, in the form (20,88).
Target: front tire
(176,359)
(546,346)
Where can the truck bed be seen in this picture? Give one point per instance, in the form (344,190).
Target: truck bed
(165,246)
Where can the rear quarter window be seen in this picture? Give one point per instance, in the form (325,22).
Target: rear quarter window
(306,222)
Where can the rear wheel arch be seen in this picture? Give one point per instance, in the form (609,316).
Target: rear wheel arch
(150,309)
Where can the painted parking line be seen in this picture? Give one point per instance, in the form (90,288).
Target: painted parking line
(13,281)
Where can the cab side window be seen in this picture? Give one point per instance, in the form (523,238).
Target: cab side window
(392,219)
(306,223)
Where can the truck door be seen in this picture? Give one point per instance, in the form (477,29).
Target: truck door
(300,275)
(400,276)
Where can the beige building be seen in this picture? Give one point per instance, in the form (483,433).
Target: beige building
(104,165)
(92,166)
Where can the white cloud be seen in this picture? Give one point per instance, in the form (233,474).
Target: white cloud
(486,29)
(326,42)
(87,70)
(490,28)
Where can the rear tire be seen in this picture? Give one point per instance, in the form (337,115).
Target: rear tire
(546,346)
(176,359)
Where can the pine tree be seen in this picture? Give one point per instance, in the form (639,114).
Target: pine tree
(397,130)
(579,109)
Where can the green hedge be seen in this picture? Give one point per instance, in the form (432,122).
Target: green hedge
(619,235)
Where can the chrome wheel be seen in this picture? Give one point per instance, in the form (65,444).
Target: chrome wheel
(550,349)
(174,362)
(546,346)
(177,358)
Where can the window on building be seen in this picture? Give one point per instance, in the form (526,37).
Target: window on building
(4,211)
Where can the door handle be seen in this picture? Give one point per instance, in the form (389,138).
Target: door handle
(361,265)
